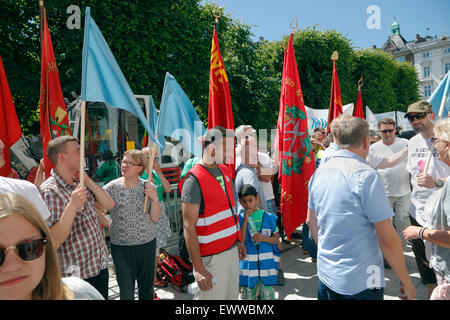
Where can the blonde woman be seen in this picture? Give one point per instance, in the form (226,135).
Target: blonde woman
(438,229)
(28,264)
(162,186)
(133,231)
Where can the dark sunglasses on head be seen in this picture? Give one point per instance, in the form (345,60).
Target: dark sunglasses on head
(387,131)
(418,116)
(28,250)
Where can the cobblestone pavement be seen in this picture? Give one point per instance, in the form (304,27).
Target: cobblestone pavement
(301,279)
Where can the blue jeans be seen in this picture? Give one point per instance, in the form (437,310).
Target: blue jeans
(325,293)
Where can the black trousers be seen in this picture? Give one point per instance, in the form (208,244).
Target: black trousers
(100,282)
(135,263)
(418,247)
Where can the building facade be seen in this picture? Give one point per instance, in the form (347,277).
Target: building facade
(429,55)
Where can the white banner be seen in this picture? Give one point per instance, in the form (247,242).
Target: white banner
(319,117)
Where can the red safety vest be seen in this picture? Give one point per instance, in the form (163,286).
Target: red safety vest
(218,226)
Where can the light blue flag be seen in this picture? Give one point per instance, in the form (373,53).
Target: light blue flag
(101,79)
(153,115)
(178,118)
(436,97)
(154,121)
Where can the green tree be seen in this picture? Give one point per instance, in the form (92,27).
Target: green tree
(388,84)
(149,38)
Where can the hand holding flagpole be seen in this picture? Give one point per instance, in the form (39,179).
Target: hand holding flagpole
(82,129)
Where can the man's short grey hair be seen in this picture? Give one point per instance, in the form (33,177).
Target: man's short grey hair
(334,124)
(244,130)
(351,131)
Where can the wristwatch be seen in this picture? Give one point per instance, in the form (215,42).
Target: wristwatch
(439,183)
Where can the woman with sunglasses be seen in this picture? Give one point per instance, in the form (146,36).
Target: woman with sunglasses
(133,231)
(28,264)
(438,229)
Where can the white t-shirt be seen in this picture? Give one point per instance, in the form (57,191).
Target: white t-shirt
(373,159)
(418,152)
(25,189)
(396,179)
(266,163)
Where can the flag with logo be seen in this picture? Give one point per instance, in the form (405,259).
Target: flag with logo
(295,152)
(220,111)
(53,114)
(10,131)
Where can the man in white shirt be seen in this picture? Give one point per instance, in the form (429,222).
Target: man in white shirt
(375,161)
(396,179)
(424,183)
(22,187)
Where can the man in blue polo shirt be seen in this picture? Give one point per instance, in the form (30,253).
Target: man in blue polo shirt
(350,219)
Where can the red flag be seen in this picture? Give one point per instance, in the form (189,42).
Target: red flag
(10,130)
(53,112)
(220,111)
(296,155)
(335,98)
(358,111)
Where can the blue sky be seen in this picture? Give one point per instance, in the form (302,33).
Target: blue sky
(271,18)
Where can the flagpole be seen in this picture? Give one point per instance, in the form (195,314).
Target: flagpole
(217,14)
(334,57)
(150,169)
(83,124)
(441,111)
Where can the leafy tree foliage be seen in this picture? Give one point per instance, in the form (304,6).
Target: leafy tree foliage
(150,37)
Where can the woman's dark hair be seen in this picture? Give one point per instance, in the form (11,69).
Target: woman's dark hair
(247,190)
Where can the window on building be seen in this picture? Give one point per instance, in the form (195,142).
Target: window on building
(426,55)
(426,71)
(447,50)
(427,90)
(401,59)
(446,67)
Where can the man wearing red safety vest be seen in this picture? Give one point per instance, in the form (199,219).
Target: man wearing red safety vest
(211,227)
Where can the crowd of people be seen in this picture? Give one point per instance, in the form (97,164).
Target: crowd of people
(368,201)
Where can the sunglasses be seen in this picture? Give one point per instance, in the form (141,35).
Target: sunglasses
(28,250)
(387,131)
(418,116)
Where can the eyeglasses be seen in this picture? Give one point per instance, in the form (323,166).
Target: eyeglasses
(129,164)
(417,116)
(28,250)
(387,131)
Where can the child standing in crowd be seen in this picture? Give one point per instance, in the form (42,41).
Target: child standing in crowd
(258,272)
